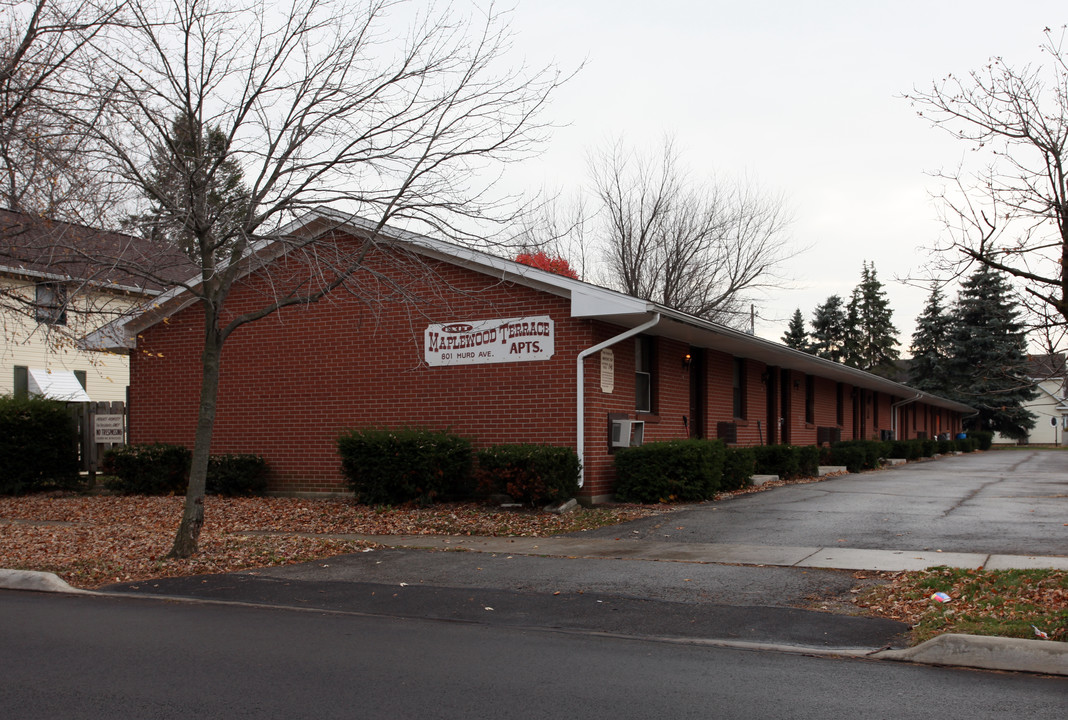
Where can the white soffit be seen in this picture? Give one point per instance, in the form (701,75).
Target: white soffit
(56,385)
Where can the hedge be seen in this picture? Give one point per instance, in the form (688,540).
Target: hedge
(410,464)
(739,466)
(671,471)
(529,474)
(38,446)
(163,469)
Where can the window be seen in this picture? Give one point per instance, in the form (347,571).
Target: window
(50,305)
(839,406)
(875,411)
(22,381)
(810,399)
(738,388)
(643,374)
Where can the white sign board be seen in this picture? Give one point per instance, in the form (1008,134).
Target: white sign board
(608,371)
(478,342)
(108,429)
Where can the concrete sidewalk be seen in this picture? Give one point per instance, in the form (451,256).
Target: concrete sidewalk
(831,558)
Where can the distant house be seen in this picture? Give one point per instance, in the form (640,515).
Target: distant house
(59,282)
(1050,379)
(497,351)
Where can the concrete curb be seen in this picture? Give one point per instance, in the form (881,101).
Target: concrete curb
(37,581)
(987,653)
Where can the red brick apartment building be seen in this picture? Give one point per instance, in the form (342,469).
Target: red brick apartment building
(496,351)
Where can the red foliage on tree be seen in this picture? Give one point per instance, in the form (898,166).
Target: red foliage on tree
(542,261)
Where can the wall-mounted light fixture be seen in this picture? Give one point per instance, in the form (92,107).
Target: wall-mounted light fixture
(687,359)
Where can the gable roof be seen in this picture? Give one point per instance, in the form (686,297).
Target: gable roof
(42,249)
(588,301)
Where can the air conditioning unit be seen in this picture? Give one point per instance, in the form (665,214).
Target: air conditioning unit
(727,432)
(627,433)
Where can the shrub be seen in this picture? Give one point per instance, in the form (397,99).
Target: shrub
(157,469)
(946,446)
(410,464)
(853,457)
(808,461)
(930,447)
(530,474)
(38,446)
(237,475)
(676,470)
(781,460)
(966,444)
(739,466)
(984,438)
(905,449)
(872,450)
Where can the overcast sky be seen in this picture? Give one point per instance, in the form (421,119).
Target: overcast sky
(802,96)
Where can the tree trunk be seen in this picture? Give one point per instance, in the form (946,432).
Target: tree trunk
(185,542)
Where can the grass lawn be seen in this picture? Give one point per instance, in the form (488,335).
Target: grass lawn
(1008,603)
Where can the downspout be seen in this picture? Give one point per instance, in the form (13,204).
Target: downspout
(581,392)
(893,412)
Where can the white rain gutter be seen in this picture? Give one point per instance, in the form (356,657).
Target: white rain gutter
(581,391)
(893,412)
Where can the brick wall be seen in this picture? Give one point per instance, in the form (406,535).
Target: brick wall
(292,381)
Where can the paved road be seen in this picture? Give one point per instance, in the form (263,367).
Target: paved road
(96,658)
(1007,502)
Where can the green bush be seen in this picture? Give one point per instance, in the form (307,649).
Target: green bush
(781,460)
(853,457)
(38,446)
(808,461)
(156,469)
(739,466)
(984,438)
(237,475)
(966,444)
(410,464)
(930,447)
(946,446)
(874,451)
(530,474)
(906,449)
(672,471)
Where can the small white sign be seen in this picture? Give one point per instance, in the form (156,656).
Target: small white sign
(108,429)
(524,339)
(608,371)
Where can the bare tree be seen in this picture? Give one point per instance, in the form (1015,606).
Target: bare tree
(233,119)
(1011,214)
(703,248)
(45,168)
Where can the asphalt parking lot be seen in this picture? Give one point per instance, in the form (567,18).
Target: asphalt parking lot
(1003,501)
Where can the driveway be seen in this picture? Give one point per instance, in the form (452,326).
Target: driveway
(1008,502)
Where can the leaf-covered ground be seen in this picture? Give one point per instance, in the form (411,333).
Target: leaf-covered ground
(1007,603)
(91,541)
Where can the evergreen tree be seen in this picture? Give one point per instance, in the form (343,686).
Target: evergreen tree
(795,336)
(929,370)
(873,344)
(194,185)
(988,345)
(829,330)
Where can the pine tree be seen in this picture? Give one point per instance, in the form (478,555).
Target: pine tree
(929,370)
(194,183)
(873,345)
(988,345)
(829,330)
(795,336)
